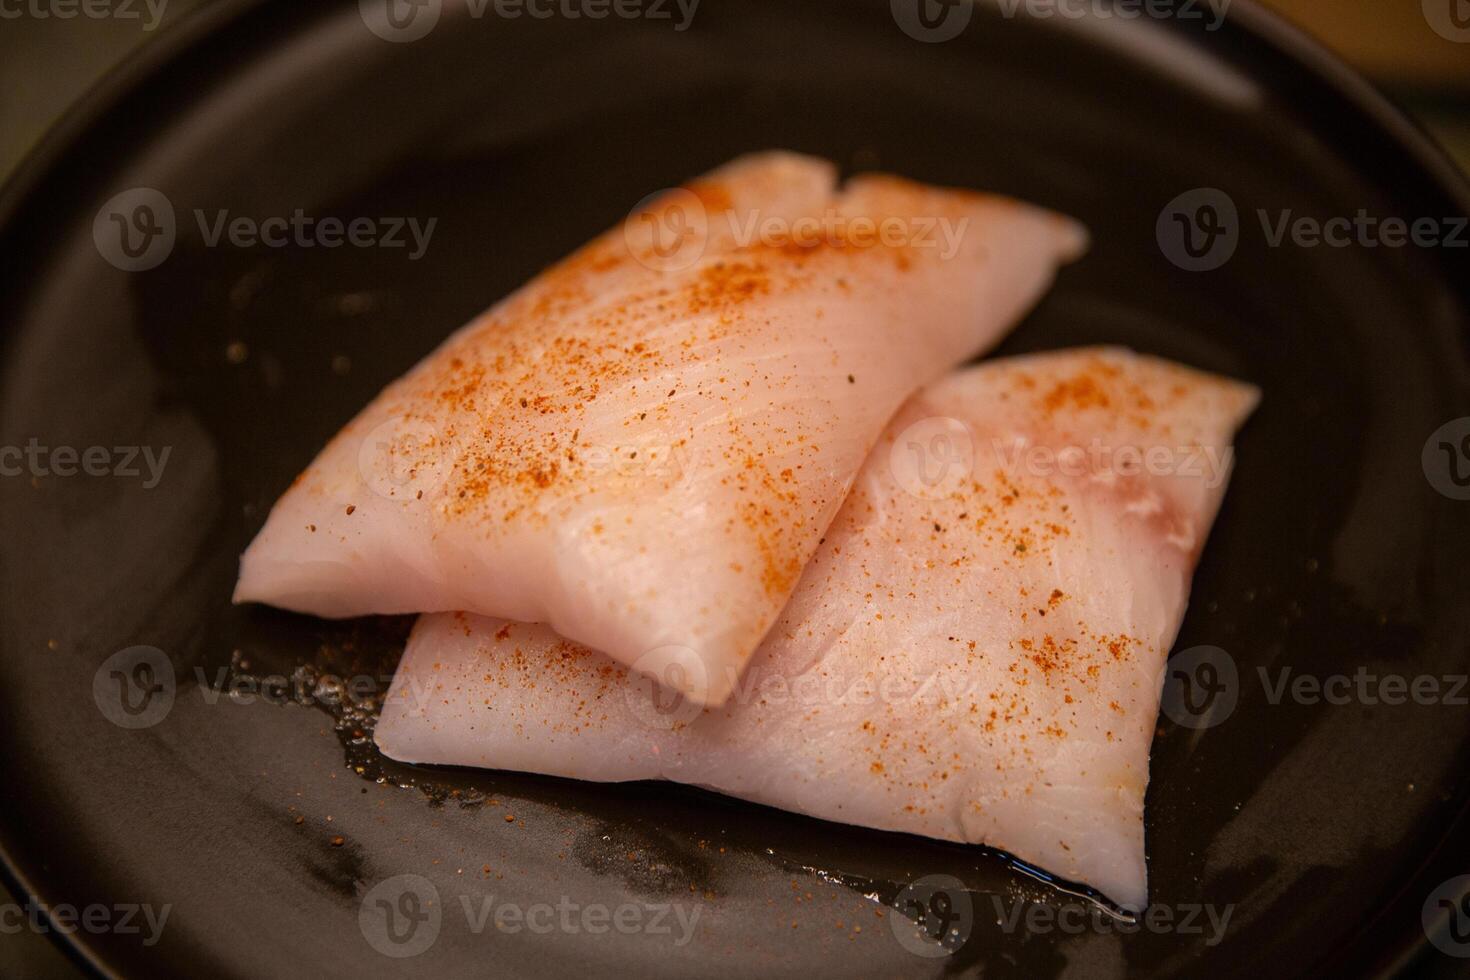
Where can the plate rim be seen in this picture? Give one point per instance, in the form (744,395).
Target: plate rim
(1274,34)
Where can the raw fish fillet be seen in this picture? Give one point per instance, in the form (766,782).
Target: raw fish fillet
(976,653)
(643,446)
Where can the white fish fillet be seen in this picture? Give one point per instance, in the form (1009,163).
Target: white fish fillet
(976,653)
(643,445)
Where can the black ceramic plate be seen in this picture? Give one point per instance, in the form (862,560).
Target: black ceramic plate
(264,824)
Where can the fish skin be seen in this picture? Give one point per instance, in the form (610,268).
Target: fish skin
(930,674)
(644,454)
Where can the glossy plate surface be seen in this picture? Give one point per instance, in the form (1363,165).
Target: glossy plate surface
(1323,828)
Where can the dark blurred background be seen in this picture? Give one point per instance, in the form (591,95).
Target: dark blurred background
(47,63)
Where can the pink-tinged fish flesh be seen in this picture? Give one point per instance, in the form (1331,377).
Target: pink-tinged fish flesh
(976,652)
(643,446)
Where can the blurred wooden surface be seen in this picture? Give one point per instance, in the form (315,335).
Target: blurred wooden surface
(1395,45)
(1390,40)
